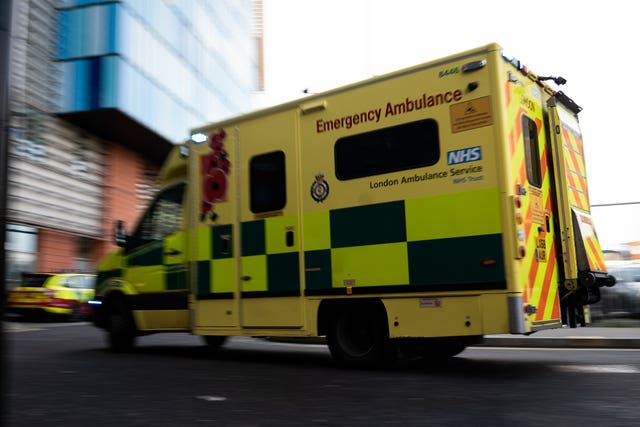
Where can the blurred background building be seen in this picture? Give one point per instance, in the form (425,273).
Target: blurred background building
(100,90)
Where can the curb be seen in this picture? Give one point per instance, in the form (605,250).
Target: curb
(560,342)
(515,341)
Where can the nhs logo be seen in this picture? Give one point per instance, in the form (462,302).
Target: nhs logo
(464,155)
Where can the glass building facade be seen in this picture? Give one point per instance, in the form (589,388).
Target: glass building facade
(168,65)
(100,90)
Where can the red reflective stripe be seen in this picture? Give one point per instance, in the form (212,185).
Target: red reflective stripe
(59,303)
(543,163)
(596,262)
(23,304)
(576,171)
(538,125)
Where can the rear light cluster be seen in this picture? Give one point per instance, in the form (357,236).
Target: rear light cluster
(520,234)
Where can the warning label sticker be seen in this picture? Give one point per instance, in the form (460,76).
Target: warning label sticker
(537,209)
(430,302)
(471,114)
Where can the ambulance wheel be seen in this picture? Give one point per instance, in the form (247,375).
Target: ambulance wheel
(121,332)
(442,348)
(358,337)
(75,315)
(214,341)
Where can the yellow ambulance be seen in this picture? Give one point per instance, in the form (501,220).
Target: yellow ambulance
(420,210)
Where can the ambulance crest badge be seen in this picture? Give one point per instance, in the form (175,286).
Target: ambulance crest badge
(320,188)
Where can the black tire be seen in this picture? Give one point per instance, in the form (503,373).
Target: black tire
(442,348)
(214,341)
(121,331)
(75,315)
(359,338)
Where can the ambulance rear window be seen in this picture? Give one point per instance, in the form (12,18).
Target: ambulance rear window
(406,146)
(531,151)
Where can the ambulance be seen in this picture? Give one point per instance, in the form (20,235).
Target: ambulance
(414,212)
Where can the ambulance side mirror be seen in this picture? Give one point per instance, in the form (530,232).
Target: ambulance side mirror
(120,234)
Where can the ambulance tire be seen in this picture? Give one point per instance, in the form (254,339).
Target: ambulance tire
(358,337)
(442,348)
(121,332)
(214,342)
(75,315)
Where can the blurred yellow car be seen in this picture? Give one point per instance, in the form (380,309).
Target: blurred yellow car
(64,294)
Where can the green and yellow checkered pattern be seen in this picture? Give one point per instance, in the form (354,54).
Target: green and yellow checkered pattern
(397,246)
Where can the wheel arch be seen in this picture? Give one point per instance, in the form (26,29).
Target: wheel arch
(329,308)
(112,300)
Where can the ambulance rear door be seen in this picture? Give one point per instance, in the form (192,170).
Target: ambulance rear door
(537,255)
(582,258)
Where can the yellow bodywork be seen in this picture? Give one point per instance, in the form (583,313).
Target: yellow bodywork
(461,246)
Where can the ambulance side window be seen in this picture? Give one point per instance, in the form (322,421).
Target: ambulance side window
(162,218)
(531,151)
(74,282)
(393,149)
(267,182)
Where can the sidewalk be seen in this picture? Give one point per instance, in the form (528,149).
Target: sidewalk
(611,333)
(614,336)
(587,337)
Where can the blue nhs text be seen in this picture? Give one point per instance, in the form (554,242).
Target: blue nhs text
(464,155)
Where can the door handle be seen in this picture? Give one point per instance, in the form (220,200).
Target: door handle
(172,252)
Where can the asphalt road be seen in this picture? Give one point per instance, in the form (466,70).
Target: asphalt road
(61,374)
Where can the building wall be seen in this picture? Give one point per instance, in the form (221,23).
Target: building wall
(55,180)
(169,65)
(32,76)
(129,184)
(634,250)
(54,248)
(82,68)
(54,168)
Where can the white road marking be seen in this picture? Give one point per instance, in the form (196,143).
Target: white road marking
(212,398)
(600,369)
(27,327)
(554,348)
(14,330)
